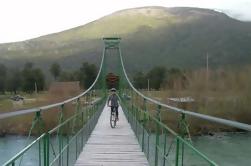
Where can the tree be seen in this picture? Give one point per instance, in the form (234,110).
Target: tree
(156,77)
(28,79)
(55,70)
(3,76)
(69,76)
(176,79)
(87,74)
(14,81)
(140,80)
(31,77)
(39,79)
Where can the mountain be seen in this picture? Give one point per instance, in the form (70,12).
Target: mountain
(173,37)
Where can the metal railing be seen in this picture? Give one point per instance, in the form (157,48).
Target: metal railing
(161,145)
(63,144)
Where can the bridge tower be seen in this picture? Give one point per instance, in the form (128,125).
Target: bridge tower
(112,65)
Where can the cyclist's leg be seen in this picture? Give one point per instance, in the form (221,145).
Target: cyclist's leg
(117,112)
(111,109)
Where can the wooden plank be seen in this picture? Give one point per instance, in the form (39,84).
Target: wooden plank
(113,147)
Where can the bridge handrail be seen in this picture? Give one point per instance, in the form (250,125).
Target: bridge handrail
(44,108)
(226,122)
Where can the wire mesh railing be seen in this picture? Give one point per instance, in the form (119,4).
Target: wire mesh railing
(161,145)
(62,144)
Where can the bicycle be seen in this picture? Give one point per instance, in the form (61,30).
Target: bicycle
(113,118)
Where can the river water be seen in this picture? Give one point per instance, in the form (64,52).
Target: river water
(227,149)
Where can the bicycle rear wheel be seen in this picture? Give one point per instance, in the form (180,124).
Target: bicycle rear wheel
(112,119)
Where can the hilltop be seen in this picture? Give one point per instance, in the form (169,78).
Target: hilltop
(173,37)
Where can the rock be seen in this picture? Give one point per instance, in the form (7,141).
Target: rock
(2,133)
(210,133)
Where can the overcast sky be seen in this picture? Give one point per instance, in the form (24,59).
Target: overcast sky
(25,19)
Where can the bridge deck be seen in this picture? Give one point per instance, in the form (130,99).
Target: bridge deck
(107,146)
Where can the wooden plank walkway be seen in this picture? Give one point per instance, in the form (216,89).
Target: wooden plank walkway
(113,147)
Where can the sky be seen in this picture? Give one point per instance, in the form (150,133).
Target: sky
(26,19)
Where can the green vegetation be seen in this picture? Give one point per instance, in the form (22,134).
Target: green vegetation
(14,81)
(23,82)
(33,79)
(26,80)
(69,76)
(87,74)
(140,80)
(55,70)
(3,75)
(158,77)
(30,79)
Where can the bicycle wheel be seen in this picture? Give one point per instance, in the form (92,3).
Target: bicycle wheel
(112,119)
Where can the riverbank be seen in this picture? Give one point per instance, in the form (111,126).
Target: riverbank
(21,125)
(224,106)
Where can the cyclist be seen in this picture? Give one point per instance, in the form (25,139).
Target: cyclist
(114,102)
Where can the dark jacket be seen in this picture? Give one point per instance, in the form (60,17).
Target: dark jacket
(114,100)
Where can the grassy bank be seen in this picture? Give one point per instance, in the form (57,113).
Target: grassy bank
(223,107)
(22,124)
(220,93)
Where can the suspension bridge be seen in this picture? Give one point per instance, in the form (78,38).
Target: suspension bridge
(86,138)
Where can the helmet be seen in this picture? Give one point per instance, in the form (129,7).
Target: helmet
(113,90)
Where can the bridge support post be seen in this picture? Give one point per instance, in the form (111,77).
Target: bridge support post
(157,137)
(37,120)
(126,102)
(68,148)
(60,137)
(136,109)
(183,131)
(40,125)
(183,136)
(164,157)
(46,142)
(132,111)
(144,122)
(177,151)
(82,133)
(77,125)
